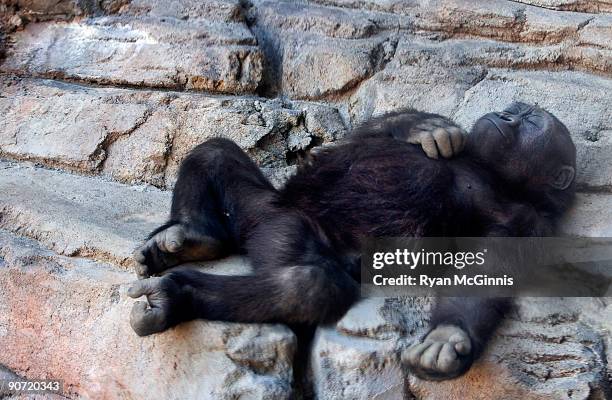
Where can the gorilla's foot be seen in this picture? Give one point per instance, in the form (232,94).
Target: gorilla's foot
(172,246)
(445,353)
(153,315)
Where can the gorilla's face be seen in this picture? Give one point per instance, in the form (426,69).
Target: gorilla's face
(526,145)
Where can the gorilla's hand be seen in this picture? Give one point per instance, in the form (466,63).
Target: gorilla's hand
(437,136)
(158,312)
(445,353)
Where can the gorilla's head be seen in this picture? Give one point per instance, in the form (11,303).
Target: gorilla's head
(526,146)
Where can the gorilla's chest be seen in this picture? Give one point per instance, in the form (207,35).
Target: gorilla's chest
(384,194)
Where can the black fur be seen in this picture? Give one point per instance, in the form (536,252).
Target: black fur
(304,239)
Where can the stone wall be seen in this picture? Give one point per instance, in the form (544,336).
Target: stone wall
(101,100)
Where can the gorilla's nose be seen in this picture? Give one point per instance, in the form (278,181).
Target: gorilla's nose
(504,123)
(507,118)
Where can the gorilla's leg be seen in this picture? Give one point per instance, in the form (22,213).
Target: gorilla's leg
(461,327)
(219,196)
(297,279)
(301,294)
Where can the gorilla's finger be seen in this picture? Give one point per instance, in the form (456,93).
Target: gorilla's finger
(142,271)
(443,141)
(428,144)
(160,241)
(413,354)
(416,137)
(145,321)
(447,359)
(139,255)
(429,359)
(456,137)
(462,343)
(144,287)
(464,347)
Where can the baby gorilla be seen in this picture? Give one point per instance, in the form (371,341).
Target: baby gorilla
(511,176)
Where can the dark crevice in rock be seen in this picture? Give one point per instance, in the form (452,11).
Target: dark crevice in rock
(170,145)
(527,335)
(563,62)
(102,151)
(502,35)
(601,189)
(101,256)
(102,83)
(84,168)
(298,157)
(60,79)
(269,43)
(583,6)
(585,23)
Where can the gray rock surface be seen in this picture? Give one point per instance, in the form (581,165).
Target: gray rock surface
(149,51)
(42,10)
(549,349)
(124,89)
(79,216)
(590,218)
(301,42)
(214,10)
(66,318)
(136,135)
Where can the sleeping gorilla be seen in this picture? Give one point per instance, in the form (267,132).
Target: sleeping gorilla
(513,178)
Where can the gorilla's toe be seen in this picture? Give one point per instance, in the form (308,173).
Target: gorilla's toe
(159,252)
(170,240)
(445,353)
(146,321)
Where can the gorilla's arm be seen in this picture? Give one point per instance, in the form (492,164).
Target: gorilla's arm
(460,327)
(438,135)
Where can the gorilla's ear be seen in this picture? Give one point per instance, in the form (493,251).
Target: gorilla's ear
(563,178)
